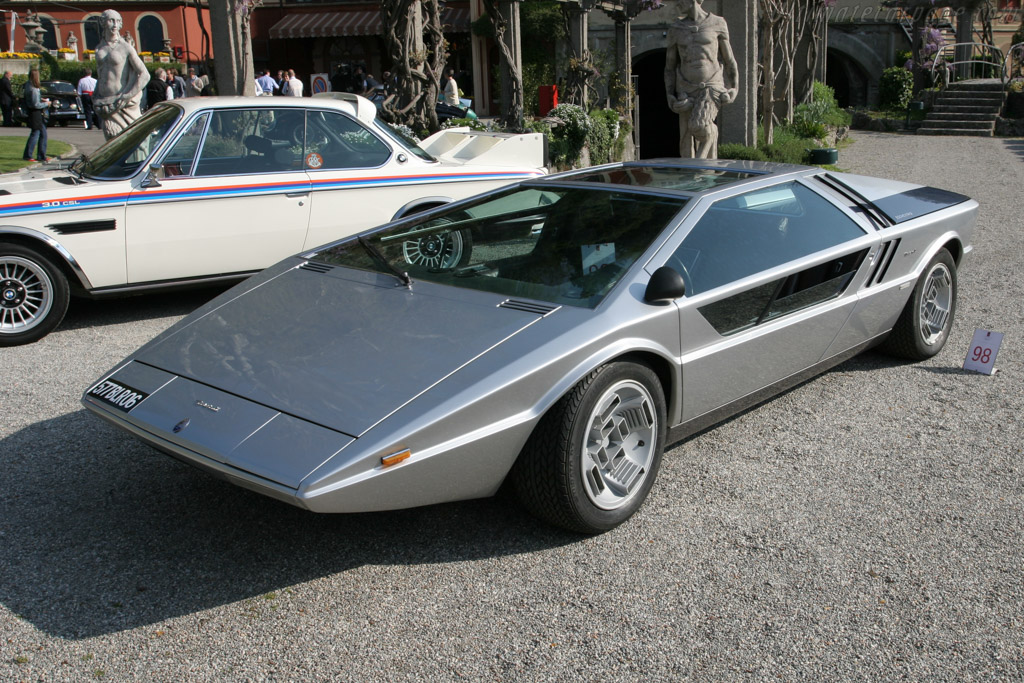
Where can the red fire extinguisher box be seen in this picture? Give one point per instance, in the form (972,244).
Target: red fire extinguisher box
(548,98)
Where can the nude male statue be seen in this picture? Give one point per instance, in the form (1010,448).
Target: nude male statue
(121,78)
(701,75)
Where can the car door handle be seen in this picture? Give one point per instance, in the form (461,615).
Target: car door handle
(297,194)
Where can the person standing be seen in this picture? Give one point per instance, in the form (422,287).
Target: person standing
(267,83)
(35,105)
(294,84)
(157,89)
(86,86)
(194,84)
(177,84)
(451,90)
(7,99)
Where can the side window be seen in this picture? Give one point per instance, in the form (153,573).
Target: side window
(180,159)
(243,141)
(335,141)
(752,232)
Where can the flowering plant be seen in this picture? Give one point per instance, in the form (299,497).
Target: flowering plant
(65,50)
(18,55)
(147,53)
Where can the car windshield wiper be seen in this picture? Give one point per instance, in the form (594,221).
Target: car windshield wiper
(381,260)
(75,166)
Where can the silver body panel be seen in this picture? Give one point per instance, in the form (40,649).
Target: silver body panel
(318,375)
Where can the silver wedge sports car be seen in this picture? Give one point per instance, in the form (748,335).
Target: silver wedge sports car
(590,319)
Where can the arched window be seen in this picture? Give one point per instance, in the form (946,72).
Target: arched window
(92,31)
(50,37)
(151,34)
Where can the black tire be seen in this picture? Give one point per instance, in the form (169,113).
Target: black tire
(439,251)
(559,476)
(923,327)
(34,295)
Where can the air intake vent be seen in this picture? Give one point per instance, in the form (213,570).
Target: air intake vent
(886,253)
(4,192)
(317,267)
(528,306)
(78,227)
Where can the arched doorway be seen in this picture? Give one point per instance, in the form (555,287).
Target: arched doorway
(658,125)
(50,37)
(848,78)
(151,34)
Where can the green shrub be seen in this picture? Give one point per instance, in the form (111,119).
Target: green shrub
(604,132)
(734,150)
(567,140)
(472,124)
(895,88)
(788,147)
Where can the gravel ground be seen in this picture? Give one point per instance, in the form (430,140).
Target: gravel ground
(866,525)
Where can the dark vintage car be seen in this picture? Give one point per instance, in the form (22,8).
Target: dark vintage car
(65,104)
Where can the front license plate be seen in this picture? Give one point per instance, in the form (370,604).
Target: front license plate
(117,394)
(79,116)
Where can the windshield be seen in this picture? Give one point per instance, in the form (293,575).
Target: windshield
(122,156)
(561,245)
(59,87)
(404,139)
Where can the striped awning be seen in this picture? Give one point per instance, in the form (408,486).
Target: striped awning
(352,23)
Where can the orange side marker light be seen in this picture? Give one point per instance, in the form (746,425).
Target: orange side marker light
(395,458)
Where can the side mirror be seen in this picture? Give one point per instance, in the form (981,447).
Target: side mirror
(666,285)
(151,175)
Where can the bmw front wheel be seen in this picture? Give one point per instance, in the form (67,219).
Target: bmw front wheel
(34,295)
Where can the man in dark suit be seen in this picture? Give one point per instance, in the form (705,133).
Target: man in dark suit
(7,99)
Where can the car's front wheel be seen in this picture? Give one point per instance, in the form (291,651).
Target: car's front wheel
(593,458)
(34,295)
(923,326)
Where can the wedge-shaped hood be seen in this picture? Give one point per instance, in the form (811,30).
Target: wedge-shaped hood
(342,348)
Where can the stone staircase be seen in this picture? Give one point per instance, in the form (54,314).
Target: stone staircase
(965,108)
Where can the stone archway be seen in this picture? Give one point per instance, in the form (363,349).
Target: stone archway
(657,124)
(848,79)
(857,60)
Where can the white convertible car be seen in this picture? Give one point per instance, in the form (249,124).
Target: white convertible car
(202,190)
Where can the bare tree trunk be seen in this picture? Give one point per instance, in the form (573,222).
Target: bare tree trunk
(232,44)
(512,75)
(774,15)
(415,42)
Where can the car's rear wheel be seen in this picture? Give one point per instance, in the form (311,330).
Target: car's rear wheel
(34,295)
(593,458)
(923,326)
(439,250)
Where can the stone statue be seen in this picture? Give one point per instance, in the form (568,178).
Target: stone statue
(121,78)
(701,75)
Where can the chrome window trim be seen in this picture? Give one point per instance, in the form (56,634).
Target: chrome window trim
(181,132)
(390,148)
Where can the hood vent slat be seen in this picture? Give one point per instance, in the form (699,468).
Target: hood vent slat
(317,267)
(528,306)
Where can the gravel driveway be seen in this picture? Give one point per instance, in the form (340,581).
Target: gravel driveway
(866,525)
